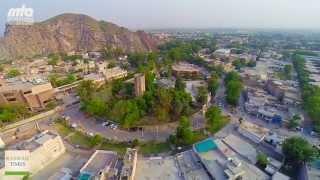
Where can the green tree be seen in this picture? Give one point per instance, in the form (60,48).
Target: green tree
(180,84)
(96,107)
(202,96)
(262,160)
(297,151)
(126,112)
(53,60)
(215,119)
(86,89)
(233,88)
(287,69)
(13,112)
(184,134)
(96,140)
(294,121)
(163,106)
(181,103)
(13,73)
(213,84)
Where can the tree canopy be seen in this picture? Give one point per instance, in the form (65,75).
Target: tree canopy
(297,151)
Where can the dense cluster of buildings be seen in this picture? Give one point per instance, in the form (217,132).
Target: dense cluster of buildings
(266,96)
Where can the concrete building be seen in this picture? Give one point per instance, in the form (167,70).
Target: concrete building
(34,95)
(253,132)
(161,168)
(139,84)
(222,53)
(115,73)
(100,166)
(63,174)
(129,165)
(39,151)
(186,70)
(98,79)
(223,163)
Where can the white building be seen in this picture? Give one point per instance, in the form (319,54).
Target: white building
(37,152)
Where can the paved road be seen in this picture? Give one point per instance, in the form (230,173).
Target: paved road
(92,126)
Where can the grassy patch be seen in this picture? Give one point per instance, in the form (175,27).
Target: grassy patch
(62,129)
(80,139)
(217,127)
(154,148)
(120,148)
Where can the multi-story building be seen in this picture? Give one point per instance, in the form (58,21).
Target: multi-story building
(139,84)
(35,95)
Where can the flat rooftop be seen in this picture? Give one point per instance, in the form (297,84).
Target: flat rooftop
(190,166)
(35,142)
(99,161)
(185,67)
(254,129)
(19,84)
(224,160)
(158,168)
(241,147)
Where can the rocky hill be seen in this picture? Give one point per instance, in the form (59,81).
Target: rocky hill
(71,32)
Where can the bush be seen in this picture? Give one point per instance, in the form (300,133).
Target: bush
(262,160)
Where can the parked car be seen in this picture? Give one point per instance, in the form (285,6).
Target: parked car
(106,124)
(74,125)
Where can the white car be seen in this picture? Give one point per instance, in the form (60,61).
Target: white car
(74,125)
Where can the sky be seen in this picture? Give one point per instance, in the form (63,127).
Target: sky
(154,14)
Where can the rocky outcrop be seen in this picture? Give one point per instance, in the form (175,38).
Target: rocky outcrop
(72,32)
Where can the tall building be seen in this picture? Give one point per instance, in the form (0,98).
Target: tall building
(139,84)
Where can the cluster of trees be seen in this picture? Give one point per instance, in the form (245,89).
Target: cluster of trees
(213,83)
(176,51)
(116,101)
(12,112)
(294,121)
(240,63)
(215,119)
(184,135)
(53,59)
(13,73)
(234,88)
(298,151)
(310,93)
(143,61)
(57,80)
(286,73)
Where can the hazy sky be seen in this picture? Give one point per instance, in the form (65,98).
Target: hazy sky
(140,14)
